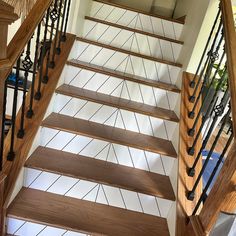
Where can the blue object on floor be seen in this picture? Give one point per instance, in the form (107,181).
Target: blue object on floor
(12,79)
(210,167)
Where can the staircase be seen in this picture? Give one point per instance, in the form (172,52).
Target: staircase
(102,162)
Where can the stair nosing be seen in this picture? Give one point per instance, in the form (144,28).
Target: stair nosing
(102,45)
(82,216)
(156,191)
(141,12)
(80,93)
(153,144)
(125,76)
(134,30)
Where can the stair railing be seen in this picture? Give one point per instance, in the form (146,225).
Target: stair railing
(214,90)
(24,68)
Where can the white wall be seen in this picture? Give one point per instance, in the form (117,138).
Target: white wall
(163,7)
(137,4)
(199,20)
(12,29)
(79,9)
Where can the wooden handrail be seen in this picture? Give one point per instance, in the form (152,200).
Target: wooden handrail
(7,16)
(230,44)
(24,33)
(8,57)
(223,194)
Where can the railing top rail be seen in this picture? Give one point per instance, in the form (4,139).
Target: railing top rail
(24,33)
(230,44)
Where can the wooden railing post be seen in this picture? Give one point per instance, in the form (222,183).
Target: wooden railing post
(2,215)
(223,194)
(7,17)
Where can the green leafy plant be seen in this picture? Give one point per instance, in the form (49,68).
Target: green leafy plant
(221,74)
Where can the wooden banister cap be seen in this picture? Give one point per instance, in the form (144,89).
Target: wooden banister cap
(7,15)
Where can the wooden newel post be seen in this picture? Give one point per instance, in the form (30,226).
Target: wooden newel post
(7,17)
(223,195)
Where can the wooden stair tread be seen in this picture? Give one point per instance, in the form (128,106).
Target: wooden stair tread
(140,11)
(121,75)
(83,216)
(133,30)
(120,103)
(80,167)
(109,134)
(84,40)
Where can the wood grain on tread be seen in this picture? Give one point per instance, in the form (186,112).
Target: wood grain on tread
(120,103)
(80,167)
(83,216)
(139,11)
(109,134)
(133,30)
(122,75)
(135,54)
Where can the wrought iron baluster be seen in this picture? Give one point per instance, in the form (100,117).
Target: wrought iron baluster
(191,194)
(203,195)
(3,124)
(38,95)
(210,56)
(53,16)
(27,64)
(52,63)
(191,131)
(58,49)
(219,111)
(193,82)
(66,22)
(191,114)
(11,153)
(30,112)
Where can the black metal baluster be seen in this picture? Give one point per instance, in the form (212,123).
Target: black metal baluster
(191,150)
(208,60)
(203,195)
(193,82)
(213,57)
(11,154)
(53,16)
(192,112)
(3,124)
(52,63)
(219,111)
(191,194)
(27,64)
(30,112)
(38,95)
(191,131)
(66,23)
(58,49)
